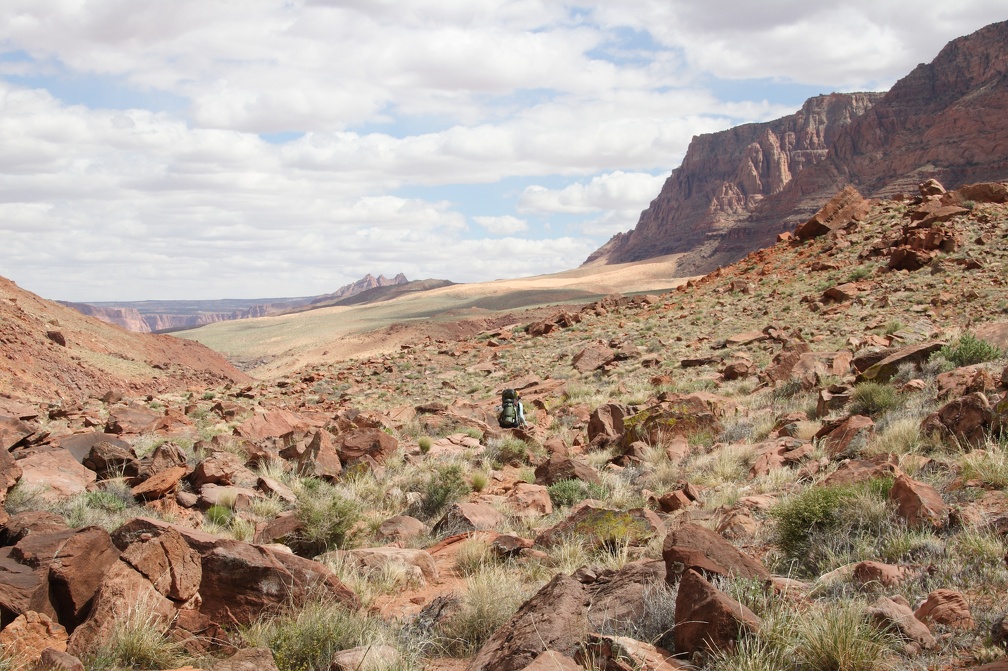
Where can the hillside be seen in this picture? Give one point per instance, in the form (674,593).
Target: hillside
(795,461)
(53,353)
(278,345)
(737,189)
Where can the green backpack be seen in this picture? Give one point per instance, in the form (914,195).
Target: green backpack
(508,417)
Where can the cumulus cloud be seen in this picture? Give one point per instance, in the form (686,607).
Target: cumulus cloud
(569,115)
(614,191)
(506,225)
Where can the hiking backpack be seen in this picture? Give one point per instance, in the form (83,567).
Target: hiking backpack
(508,417)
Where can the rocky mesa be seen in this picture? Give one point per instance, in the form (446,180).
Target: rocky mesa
(737,189)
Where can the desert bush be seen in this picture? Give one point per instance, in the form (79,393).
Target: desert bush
(873,398)
(823,527)
(478,480)
(219,515)
(425,443)
(472,556)
(507,450)
(326,516)
(306,638)
(989,465)
(566,493)
(443,486)
(840,638)
(484,609)
(138,640)
(968,350)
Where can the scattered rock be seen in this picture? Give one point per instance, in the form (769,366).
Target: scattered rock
(556,618)
(918,503)
(693,547)
(706,619)
(946,607)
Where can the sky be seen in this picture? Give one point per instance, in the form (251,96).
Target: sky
(206,149)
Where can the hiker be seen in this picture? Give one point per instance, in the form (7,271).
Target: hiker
(511,412)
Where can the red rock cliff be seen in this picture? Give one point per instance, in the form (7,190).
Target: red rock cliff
(737,189)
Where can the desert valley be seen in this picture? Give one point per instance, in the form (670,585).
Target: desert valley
(767,429)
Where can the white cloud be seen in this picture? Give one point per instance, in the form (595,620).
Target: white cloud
(399,105)
(614,191)
(506,225)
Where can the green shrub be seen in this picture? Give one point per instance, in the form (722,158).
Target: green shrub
(841,638)
(568,492)
(873,398)
(425,443)
(219,515)
(138,640)
(486,606)
(823,527)
(969,350)
(443,487)
(326,516)
(306,639)
(507,451)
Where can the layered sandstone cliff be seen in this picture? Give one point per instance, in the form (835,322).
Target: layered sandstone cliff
(737,189)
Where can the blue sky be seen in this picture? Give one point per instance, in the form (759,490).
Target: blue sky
(190,149)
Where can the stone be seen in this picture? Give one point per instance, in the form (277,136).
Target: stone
(132,419)
(221,468)
(54,473)
(320,458)
(51,659)
(124,593)
(890,615)
(463,517)
(77,571)
(693,547)
(868,573)
(12,432)
(285,528)
(618,597)
(160,484)
(918,503)
(622,653)
(842,209)
(596,526)
(847,436)
(675,415)
(271,424)
(606,422)
(401,528)
(855,471)
(946,607)
(529,500)
(966,419)
(111,460)
(707,620)
(241,580)
(24,639)
(884,370)
(167,561)
(561,467)
(551,660)
(555,618)
(593,357)
(10,473)
(365,444)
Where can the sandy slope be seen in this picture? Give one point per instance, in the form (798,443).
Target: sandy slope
(272,346)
